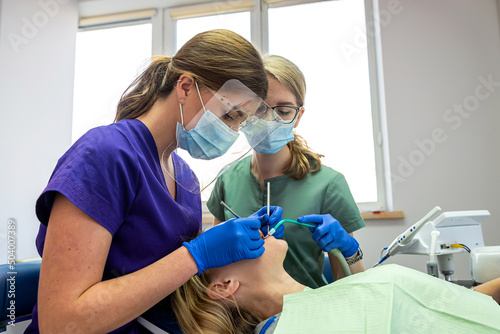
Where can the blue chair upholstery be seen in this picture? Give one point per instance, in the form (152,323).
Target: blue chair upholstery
(19,285)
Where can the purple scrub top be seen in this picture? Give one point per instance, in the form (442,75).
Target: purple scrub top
(113,173)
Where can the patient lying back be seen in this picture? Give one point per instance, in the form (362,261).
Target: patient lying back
(245,296)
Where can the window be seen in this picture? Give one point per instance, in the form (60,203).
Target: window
(107,61)
(337,121)
(328,41)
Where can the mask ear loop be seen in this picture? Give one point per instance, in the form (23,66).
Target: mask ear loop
(180,107)
(182,117)
(199,95)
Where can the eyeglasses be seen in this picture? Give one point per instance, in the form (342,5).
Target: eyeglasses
(286,113)
(281,114)
(240,114)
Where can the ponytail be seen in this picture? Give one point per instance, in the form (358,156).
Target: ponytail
(143,92)
(303,160)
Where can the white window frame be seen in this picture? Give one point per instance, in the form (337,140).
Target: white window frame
(118,19)
(164,31)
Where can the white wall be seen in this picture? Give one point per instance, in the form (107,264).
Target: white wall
(37,52)
(434,51)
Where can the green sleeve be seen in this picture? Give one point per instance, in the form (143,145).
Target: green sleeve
(338,202)
(216,196)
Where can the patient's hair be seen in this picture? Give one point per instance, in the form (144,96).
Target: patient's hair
(197,313)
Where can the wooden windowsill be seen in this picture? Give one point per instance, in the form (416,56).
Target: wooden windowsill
(383,215)
(207,220)
(365,215)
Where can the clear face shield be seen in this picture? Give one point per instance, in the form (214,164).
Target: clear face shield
(211,142)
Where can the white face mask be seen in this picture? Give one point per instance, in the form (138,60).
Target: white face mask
(209,139)
(276,140)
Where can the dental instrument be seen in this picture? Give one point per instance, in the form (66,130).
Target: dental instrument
(404,238)
(432,267)
(229,209)
(268,201)
(335,252)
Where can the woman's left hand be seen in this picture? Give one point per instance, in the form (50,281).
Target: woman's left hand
(329,234)
(274,218)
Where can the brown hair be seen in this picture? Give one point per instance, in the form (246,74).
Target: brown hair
(212,58)
(303,159)
(197,313)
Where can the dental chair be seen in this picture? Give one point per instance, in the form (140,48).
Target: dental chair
(19,289)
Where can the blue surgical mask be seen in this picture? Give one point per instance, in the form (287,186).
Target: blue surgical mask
(209,139)
(276,140)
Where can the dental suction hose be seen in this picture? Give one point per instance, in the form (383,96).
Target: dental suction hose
(343,262)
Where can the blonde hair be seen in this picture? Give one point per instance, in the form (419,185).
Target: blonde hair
(303,159)
(212,58)
(197,313)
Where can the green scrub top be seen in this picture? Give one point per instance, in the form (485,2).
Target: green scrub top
(325,191)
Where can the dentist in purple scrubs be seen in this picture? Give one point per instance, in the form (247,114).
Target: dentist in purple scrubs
(113,219)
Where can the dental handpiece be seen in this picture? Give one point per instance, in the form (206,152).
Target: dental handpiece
(404,238)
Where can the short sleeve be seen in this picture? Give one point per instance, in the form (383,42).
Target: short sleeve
(217,195)
(98,174)
(339,202)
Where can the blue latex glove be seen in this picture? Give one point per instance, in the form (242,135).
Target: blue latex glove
(275,218)
(329,234)
(234,240)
